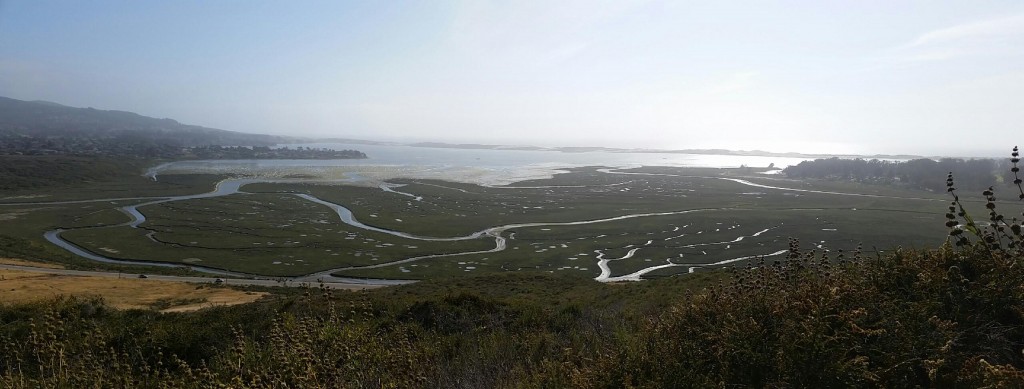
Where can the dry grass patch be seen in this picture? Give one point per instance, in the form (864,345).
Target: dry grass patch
(22,262)
(18,286)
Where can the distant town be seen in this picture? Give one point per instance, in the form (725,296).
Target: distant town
(142,147)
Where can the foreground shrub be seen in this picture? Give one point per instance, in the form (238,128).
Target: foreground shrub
(933,319)
(944,318)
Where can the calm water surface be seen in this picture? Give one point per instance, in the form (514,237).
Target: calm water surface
(425,156)
(466,165)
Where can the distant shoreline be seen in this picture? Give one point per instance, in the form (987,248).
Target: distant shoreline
(584,149)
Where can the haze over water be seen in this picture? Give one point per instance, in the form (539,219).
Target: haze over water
(465,165)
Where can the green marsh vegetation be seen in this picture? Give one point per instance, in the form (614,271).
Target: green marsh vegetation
(40,178)
(26,214)
(266,234)
(268,230)
(26,173)
(705,218)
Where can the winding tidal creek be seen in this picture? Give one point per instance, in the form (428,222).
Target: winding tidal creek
(346,216)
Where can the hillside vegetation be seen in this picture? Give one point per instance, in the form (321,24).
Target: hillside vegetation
(943,318)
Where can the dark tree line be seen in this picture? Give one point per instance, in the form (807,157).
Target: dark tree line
(929,174)
(141,146)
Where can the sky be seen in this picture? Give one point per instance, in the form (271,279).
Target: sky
(914,77)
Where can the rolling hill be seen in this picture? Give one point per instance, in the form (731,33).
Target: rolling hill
(43,119)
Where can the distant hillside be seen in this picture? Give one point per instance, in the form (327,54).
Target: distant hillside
(48,120)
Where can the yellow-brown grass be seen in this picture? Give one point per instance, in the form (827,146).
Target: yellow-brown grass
(18,286)
(22,262)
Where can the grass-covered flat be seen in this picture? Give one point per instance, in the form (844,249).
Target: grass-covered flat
(646,222)
(266,234)
(122,293)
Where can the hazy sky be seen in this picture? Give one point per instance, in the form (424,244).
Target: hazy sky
(924,77)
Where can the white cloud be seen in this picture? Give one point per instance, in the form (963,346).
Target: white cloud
(997,36)
(1012,25)
(535,32)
